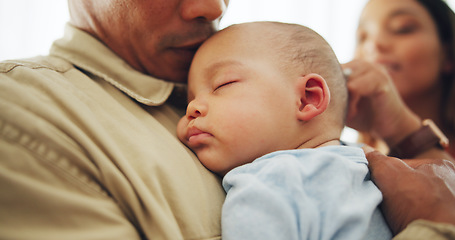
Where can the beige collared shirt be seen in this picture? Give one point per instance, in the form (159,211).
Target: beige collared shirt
(88,151)
(426,230)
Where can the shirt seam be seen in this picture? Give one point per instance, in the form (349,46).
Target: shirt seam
(50,157)
(12,64)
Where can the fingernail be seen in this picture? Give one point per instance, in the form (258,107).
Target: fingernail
(367,149)
(347,72)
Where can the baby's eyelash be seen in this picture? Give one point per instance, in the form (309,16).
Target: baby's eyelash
(224,84)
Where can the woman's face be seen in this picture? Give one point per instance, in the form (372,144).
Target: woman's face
(402,36)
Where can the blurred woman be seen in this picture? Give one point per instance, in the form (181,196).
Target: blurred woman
(404,72)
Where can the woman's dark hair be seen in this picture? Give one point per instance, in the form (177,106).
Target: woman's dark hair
(444,19)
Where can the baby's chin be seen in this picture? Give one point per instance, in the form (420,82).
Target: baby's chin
(214,166)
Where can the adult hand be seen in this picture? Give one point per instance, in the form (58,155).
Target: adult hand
(375,105)
(414,189)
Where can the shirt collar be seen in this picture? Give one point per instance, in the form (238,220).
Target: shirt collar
(89,54)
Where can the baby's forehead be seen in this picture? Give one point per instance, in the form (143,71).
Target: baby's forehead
(245,33)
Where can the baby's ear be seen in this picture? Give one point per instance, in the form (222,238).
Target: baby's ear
(314,96)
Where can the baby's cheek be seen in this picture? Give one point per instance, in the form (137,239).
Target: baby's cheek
(181,129)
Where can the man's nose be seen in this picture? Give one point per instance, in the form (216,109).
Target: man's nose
(208,10)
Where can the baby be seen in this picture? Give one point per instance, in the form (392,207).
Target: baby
(267,103)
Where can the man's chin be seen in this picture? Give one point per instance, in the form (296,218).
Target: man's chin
(177,67)
(177,73)
(179,76)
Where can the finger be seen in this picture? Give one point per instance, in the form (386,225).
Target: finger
(356,68)
(367,149)
(348,64)
(386,170)
(347,72)
(363,83)
(377,159)
(352,108)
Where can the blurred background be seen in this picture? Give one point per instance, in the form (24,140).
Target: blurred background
(30,26)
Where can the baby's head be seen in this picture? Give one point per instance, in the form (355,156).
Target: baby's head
(260,87)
